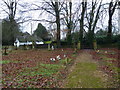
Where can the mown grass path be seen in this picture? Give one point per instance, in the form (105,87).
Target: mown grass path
(85,73)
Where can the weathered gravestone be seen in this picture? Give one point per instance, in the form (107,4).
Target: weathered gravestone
(5,50)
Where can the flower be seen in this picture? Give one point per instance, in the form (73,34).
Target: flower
(58,57)
(106,52)
(64,55)
(52,59)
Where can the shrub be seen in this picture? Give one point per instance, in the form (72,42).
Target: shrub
(119,45)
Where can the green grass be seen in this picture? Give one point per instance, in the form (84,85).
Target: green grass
(42,69)
(45,69)
(82,76)
(74,55)
(49,66)
(112,66)
(8,61)
(65,61)
(108,52)
(104,57)
(4,62)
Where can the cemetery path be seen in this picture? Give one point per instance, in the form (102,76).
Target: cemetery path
(85,73)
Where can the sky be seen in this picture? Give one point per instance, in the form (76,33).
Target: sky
(32,25)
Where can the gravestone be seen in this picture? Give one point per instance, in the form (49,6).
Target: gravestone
(95,45)
(49,47)
(78,45)
(5,50)
(52,48)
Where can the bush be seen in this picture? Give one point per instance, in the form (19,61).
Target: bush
(63,43)
(116,39)
(119,45)
(103,40)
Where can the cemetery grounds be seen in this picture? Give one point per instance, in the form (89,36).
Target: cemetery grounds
(78,69)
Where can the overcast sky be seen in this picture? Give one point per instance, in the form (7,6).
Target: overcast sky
(35,15)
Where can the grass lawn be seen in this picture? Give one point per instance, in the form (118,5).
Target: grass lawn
(33,68)
(109,64)
(94,70)
(83,77)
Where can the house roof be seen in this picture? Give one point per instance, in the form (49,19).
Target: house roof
(25,38)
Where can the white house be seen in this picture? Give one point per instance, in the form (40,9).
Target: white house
(18,43)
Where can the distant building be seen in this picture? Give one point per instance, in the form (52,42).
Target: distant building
(27,39)
(21,43)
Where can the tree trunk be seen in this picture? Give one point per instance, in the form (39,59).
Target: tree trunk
(69,38)
(12,12)
(109,34)
(111,12)
(90,38)
(12,25)
(58,24)
(84,5)
(58,31)
(81,32)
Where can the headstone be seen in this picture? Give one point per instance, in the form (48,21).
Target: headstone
(49,47)
(5,50)
(52,48)
(75,51)
(78,45)
(33,45)
(24,47)
(95,45)
(15,45)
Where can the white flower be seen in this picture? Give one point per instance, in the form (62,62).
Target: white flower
(58,57)
(98,51)
(52,59)
(64,55)
(105,51)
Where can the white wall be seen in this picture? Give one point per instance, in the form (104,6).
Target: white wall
(26,43)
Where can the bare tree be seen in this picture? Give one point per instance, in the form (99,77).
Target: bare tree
(57,12)
(70,18)
(52,8)
(111,11)
(84,6)
(10,7)
(69,21)
(92,19)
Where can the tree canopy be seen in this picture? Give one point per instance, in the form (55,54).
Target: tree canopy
(41,32)
(8,35)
